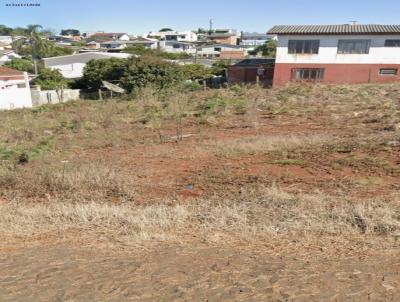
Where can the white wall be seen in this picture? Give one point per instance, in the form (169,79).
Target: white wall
(189,36)
(378,54)
(54,97)
(13,97)
(124,37)
(70,71)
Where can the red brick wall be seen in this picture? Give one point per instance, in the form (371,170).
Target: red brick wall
(339,73)
(237,74)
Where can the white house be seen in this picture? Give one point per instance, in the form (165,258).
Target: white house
(14,89)
(8,55)
(337,54)
(146,42)
(178,47)
(178,36)
(71,66)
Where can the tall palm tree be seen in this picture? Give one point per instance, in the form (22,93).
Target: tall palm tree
(38,45)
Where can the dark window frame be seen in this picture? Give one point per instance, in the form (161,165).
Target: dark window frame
(308,74)
(341,49)
(303,47)
(394,42)
(388,73)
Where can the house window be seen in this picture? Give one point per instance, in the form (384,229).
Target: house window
(217,49)
(392,43)
(388,71)
(303,46)
(308,74)
(21,85)
(354,46)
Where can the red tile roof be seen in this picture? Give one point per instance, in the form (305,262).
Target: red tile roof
(5,71)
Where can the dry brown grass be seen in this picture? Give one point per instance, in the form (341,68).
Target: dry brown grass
(269,143)
(37,194)
(67,182)
(253,215)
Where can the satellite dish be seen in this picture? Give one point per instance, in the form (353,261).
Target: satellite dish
(113,87)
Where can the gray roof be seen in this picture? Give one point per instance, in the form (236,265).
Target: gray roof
(81,58)
(255,62)
(344,29)
(258,35)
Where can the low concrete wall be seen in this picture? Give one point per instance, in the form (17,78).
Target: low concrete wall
(40,97)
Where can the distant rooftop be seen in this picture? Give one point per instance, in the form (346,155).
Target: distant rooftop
(108,34)
(344,29)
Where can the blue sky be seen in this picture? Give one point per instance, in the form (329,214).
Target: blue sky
(138,17)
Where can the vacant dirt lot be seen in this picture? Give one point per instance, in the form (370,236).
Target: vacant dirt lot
(240,194)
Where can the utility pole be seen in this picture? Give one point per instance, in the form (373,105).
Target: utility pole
(353,22)
(211,26)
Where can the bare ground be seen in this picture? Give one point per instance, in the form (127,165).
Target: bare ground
(293,198)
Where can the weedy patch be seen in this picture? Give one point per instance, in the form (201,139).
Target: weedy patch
(288,162)
(366,162)
(264,144)
(24,155)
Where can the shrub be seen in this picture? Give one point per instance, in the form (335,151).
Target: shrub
(96,71)
(50,79)
(150,70)
(20,64)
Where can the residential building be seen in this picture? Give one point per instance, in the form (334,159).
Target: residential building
(337,54)
(146,42)
(114,45)
(120,44)
(223,36)
(14,89)
(7,55)
(71,66)
(255,39)
(221,51)
(247,71)
(105,37)
(177,47)
(92,45)
(176,36)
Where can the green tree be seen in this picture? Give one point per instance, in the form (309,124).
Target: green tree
(173,55)
(50,79)
(20,64)
(5,31)
(35,46)
(139,50)
(150,70)
(196,72)
(268,49)
(96,71)
(70,32)
(219,67)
